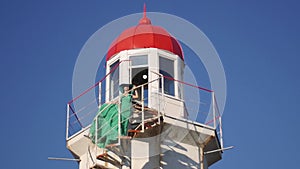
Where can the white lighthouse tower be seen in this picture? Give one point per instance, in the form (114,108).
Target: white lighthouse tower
(141,120)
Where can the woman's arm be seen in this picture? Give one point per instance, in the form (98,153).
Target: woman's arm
(135,94)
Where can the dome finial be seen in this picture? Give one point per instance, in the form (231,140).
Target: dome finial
(145,20)
(144,10)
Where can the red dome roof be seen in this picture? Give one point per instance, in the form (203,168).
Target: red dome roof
(145,35)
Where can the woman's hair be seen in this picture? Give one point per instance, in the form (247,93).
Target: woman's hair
(130,86)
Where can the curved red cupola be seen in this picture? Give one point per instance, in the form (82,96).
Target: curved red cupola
(145,35)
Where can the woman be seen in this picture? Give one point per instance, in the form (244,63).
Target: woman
(126,106)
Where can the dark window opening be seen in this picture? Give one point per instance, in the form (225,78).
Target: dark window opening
(139,77)
(114,80)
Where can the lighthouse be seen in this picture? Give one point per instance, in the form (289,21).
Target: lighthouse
(142,114)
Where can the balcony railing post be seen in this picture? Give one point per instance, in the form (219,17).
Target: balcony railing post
(159,102)
(96,131)
(214,109)
(99,94)
(143,114)
(119,118)
(67,122)
(162,85)
(221,132)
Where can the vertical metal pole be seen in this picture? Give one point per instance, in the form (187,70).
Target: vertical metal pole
(119,119)
(221,132)
(96,135)
(214,110)
(130,71)
(99,94)
(162,92)
(96,131)
(67,125)
(162,85)
(158,101)
(143,117)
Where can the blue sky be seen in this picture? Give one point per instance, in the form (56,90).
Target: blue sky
(258,43)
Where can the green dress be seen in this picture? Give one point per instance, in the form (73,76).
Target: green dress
(125,113)
(107,122)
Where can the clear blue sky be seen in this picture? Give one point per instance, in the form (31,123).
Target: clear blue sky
(258,43)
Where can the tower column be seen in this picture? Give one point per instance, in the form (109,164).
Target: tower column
(201,147)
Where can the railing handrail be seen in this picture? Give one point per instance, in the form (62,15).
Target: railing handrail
(192,85)
(189,84)
(139,86)
(100,81)
(216,115)
(119,113)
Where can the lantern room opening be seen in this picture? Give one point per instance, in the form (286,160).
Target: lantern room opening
(139,73)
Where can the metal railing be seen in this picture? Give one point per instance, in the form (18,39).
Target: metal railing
(141,120)
(199,104)
(83,108)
